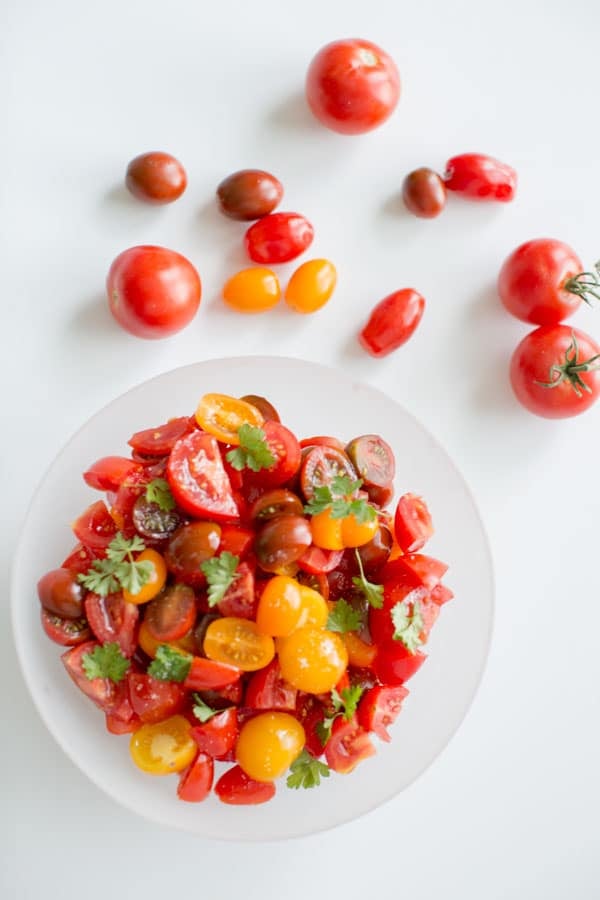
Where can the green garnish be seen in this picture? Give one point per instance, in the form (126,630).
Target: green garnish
(343,617)
(170,664)
(253,453)
(306,772)
(159,492)
(338,499)
(220,574)
(119,570)
(373,593)
(106,661)
(343,704)
(202,710)
(408,624)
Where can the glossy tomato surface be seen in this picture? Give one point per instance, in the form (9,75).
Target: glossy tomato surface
(535,280)
(278,238)
(156,178)
(424,193)
(153,292)
(392,322)
(480,177)
(198,480)
(249,194)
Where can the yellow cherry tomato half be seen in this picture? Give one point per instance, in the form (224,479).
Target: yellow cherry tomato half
(279,606)
(314,611)
(155,583)
(312,660)
(163,748)
(360,654)
(355,533)
(238,642)
(150,645)
(223,416)
(252,290)
(268,744)
(327,531)
(311,285)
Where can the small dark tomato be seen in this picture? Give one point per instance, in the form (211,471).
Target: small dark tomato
(373,459)
(379,495)
(392,322)
(278,502)
(61,594)
(172,613)
(375,553)
(156,178)
(249,194)
(154,522)
(282,541)
(189,547)
(424,193)
(266,409)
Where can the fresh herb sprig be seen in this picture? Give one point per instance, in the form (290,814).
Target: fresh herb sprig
(120,570)
(253,452)
(221,572)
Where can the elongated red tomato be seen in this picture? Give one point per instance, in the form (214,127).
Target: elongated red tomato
(238,789)
(480,177)
(108,473)
(412,523)
(198,480)
(278,238)
(95,527)
(392,322)
(348,745)
(195,783)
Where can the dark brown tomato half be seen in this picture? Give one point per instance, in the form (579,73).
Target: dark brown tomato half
(373,459)
(189,547)
(154,522)
(266,409)
(278,502)
(282,541)
(172,613)
(61,594)
(320,466)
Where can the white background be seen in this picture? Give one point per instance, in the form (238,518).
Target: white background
(510,810)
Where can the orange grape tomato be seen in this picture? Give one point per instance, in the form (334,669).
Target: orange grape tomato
(222,416)
(238,642)
(360,654)
(252,290)
(355,534)
(327,531)
(164,747)
(311,285)
(312,660)
(268,744)
(279,606)
(150,645)
(155,583)
(314,610)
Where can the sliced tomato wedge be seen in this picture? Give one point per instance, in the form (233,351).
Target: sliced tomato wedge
(394,664)
(209,675)
(109,473)
(66,632)
(114,725)
(106,694)
(240,599)
(416,569)
(198,480)
(160,441)
(321,465)
(380,707)
(322,440)
(112,619)
(412,523)
(238,789)
(380,620)
(95,527)
(236,540)
(316,561)
(153,700)
(80,559)
(348,745)
(217,737)
(267,689)
(196,781)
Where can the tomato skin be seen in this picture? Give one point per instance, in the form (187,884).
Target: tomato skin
(279,606)
(376,552)
(249,194)
(322,440)
(278,238)
(268,744)
(360,654)
(114,725)
(265,408)
(267,689)
(238,789)
(217,737)
(381,626)
(313,660)
(424,193)
(95,527)
(379,707)
(311,286)
(348,745)
(316,561)
(80,559)
(61,594)
(108,473)
(210,675)
(153,292)
(195,783)
(415,569)
(107,695)
(480,177)
(282,541)
(412,523)
(236,539)
(392,322)
(113,620)
(222,416)
(66,632)
(252,290)
(153,700)
(352,86)
(533,282)
(239,599)
(275,503)
(394,664)
(320,466)
(310,712)
(198,480)
(532,363)
(284,446)
(160,441)
(156,178)
(172,613)
(238,642)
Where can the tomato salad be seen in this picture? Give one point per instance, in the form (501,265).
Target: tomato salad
(246,599)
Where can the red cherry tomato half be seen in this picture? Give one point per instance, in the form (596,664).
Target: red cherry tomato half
(210,675)
(66,632)
(238,789)
(108,473)
(316,561)
(285,448)
(113,620)
(268,690)
(160,441)
(114,725)
(153,292)
(480,177)
(156,178)
(278,238)
(95,527)
(379,707)
(153,700)
(240,599)
(236,539)
(541,282)
(381,625)
(352,86)
(415,569)
(198,480)
(320,466)
(80,559)
(555,372)
(217,737)
(392,322)
(196,781)
(348,745)
(106,694)
(322,440)
(394,664)
(412,523)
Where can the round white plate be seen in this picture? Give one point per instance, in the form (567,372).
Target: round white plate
(311,399)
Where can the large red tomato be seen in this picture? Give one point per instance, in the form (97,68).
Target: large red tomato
(152,291)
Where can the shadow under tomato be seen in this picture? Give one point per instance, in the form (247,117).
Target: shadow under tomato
(92,317)
(119,198)
(293,114)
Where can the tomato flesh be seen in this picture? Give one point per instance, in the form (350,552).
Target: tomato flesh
(198,480)
(66,632)
(412,523)
(153,700)
(267,689)
(218,736)
(348,745)
(195,783)
(95,527)
(379,707)
(160,441)
(112,619)
(238,789)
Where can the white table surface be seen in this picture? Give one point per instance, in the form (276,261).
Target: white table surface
(510,809)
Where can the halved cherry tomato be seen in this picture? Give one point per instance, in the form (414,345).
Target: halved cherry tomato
(236,539)
(238,642)
(348,745)
(217,736)
(150,645)
(238,789)
(412,523)
(311,285)
(211,675)
(195,783)
(278,238)
(313,660)
(112,619)
(322,440)
(373,459)
(310,712)
(198,480)
(66,632)
(379,707)
(80,559)
(320,466)
(252,290)
(265,408)
(153,700)
(480,177)
(360,654)
(223,416)
(106,694)
(60,593)
(108,473)
(153,521)
(114,725)
(95,527)
(130,492)
(279,607)
(282,541)
(285,448)
(392,322)
(272,504)
(155,583)
(268,744)
(317,561)
(314,610)
(189,547)
(331,533)
(267,689)
(377,552)
(380,496)
(163,747)
(421,570)
(172,613)
(160,441)
(394,664)
(381,625)
(239,599)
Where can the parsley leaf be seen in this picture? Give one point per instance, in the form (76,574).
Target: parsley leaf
(220,574)
(306,772)
(407,625)
(254,452)
(106,661)
(170,664)
(159,492)
(119,569)
(202,710)
(335,498)
(373,593)
(344,704)
(343,617)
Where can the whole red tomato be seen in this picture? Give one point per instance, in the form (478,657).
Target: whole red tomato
(392,322)
(555,371)
(480,177)
(152,291)
(278,238)
(352,86)
(543,282)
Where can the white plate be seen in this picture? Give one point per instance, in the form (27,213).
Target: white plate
(312,400)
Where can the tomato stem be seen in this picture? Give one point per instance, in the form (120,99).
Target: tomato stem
(571,368)
(586,285)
